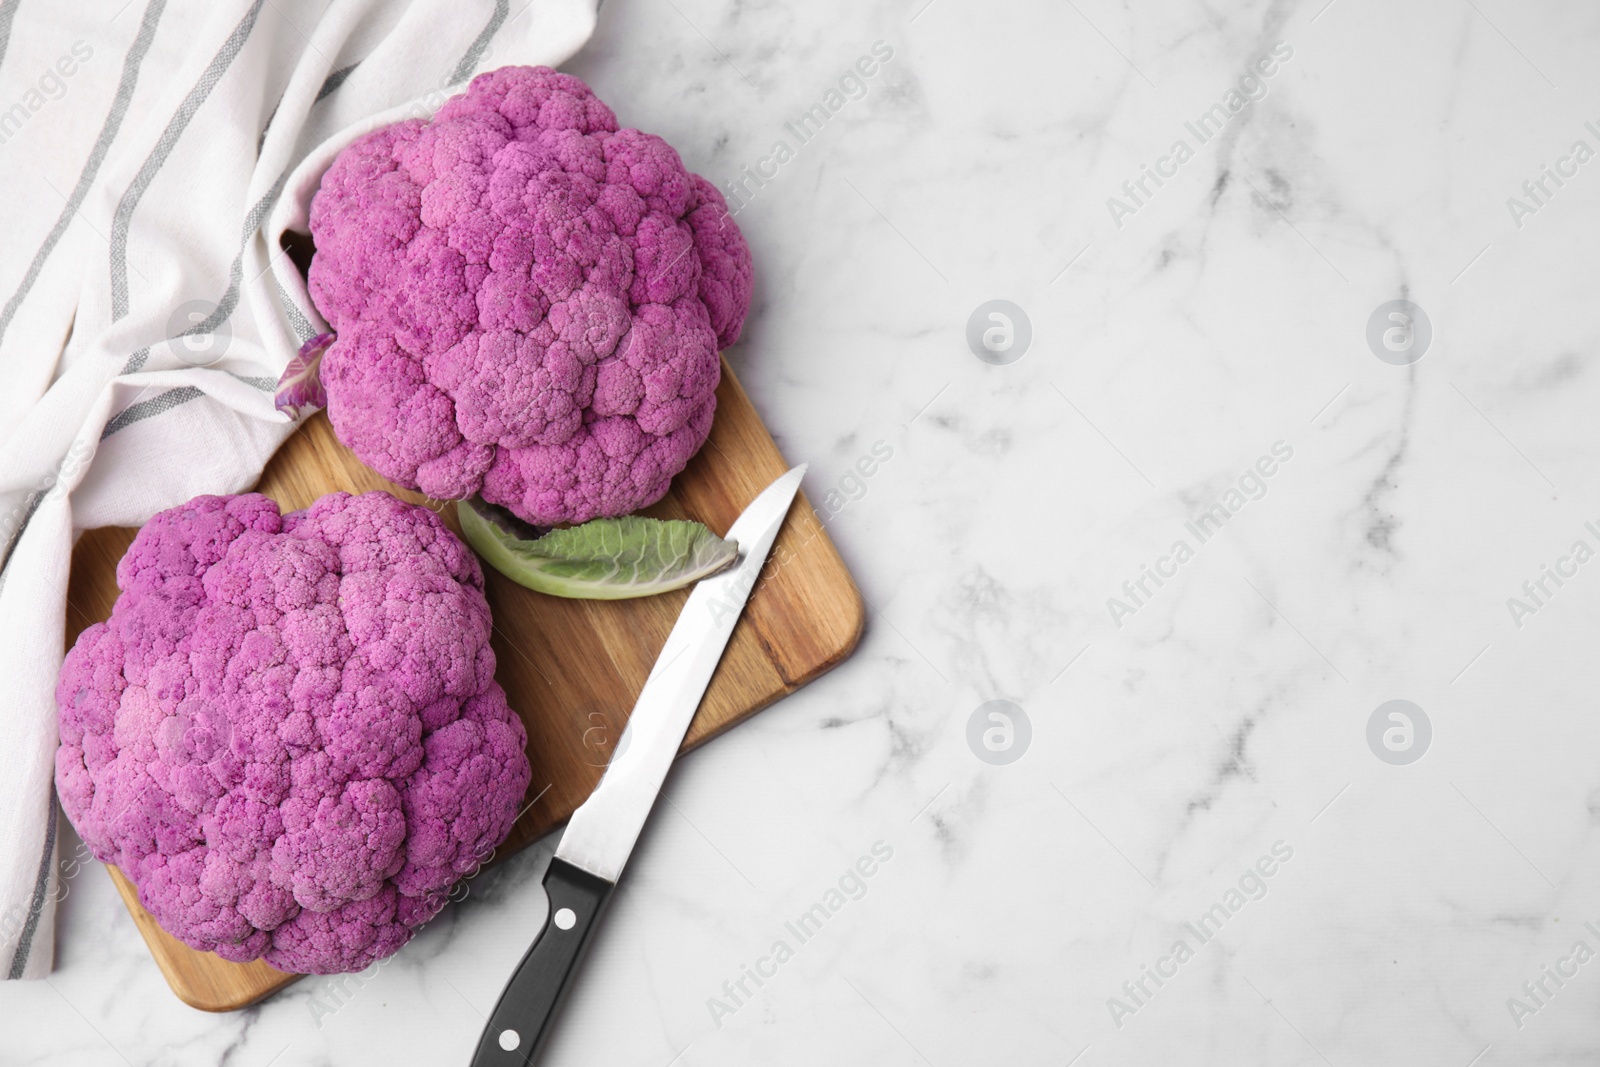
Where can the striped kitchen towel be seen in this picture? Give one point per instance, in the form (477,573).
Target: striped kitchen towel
(152,153)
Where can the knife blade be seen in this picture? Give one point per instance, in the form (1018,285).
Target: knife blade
(602,832)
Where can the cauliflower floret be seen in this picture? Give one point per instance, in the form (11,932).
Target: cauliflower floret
(288,734)
(529,301)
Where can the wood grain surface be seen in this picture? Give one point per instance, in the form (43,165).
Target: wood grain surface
(571,668)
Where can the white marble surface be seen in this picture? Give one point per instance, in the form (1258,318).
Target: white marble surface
(1228,713)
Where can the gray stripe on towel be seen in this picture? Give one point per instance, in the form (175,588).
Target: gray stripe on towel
(331,83)
(480,44)
(97,156)
(154,406)
(41,888)
(158,155)
(230,296)
(8,11)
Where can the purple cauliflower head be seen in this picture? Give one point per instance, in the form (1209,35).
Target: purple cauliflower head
(288,734)
(529,301)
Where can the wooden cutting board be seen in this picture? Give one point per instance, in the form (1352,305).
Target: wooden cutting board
(571,668)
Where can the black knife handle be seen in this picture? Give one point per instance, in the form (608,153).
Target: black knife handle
(522,1021)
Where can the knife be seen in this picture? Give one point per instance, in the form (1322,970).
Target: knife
(602,832)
